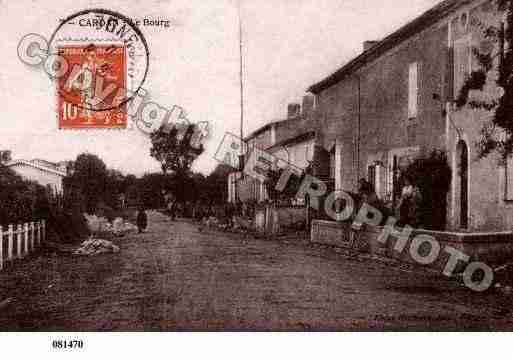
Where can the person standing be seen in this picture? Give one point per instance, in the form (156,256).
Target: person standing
(142,220)
(409,205)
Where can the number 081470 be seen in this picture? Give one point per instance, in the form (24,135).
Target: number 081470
(67,344)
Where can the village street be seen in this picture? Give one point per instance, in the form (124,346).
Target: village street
(177,278)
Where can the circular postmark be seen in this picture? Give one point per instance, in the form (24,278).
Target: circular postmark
(106,60)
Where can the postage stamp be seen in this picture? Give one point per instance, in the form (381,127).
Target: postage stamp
(102,61)
(99,68)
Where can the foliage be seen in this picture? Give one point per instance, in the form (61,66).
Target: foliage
(497,135)
(68,225)
(150,189)
(89,179)
(214,187)
(291,189)
(432,175)
(21,200)
(5,156)
(174,150)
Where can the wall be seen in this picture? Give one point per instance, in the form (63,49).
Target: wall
(367,113)
(251,189)
(298,154)
(273,220)
(488,209)
(372,104)
(493,249)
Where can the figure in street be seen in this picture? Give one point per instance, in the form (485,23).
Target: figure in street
(142,220)
(409,205)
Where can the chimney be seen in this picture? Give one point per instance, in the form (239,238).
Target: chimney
(308,105)
(368,44)
(293,110)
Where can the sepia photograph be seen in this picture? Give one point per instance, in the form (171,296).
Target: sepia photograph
(243,166)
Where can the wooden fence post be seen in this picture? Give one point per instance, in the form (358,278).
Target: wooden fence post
(19,233)
(32,239)
(1,248)
(26,234)
(10,235)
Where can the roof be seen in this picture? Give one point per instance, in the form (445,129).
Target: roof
(269,125)
(294,140)
(39,167)
(420,23)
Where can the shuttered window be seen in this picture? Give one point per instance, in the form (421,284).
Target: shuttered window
(413,89)
(461,63)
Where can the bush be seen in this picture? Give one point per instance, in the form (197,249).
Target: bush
(21,201)
(111,214)
(68,226)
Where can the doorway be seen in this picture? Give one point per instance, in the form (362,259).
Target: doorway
(462,157)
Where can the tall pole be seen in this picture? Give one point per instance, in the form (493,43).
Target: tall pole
(241,78)
(241,81)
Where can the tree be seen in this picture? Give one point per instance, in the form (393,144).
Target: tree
(149,190)
(89,179)
(175,151)
(497,134)
(5,156)
(19,198)
(215,185)
(114,187)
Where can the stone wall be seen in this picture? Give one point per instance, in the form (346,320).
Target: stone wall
(273,220)
(494,249)
(367,112)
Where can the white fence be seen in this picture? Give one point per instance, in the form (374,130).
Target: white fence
(18,242)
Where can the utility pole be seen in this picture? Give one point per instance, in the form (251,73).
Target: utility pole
(241,80)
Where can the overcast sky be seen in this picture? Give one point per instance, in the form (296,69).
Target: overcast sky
(289,45)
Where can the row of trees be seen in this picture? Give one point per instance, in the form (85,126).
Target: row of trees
(95,186)
(92,187)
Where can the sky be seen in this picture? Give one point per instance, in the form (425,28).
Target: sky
(288,46)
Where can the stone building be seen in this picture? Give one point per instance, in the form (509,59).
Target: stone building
(291,141)
(395,102)
(45,173)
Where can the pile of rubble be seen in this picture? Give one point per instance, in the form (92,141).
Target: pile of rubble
(94,223)
(93,246)
(118,227)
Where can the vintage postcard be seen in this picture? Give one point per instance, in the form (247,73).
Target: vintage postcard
(256,166)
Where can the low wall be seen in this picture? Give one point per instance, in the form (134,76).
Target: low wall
(276,220)
(331,233)
(493,249)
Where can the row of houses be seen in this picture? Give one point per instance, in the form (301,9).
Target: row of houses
(391,104)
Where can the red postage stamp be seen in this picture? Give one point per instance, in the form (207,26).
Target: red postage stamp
(91,96)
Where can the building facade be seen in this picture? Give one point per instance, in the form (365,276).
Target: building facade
(45,173)
(290,141)
(395,102)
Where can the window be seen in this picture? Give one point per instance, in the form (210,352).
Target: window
(376,176)
(371,176)
(413,89)
(462,61)
(332,164)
